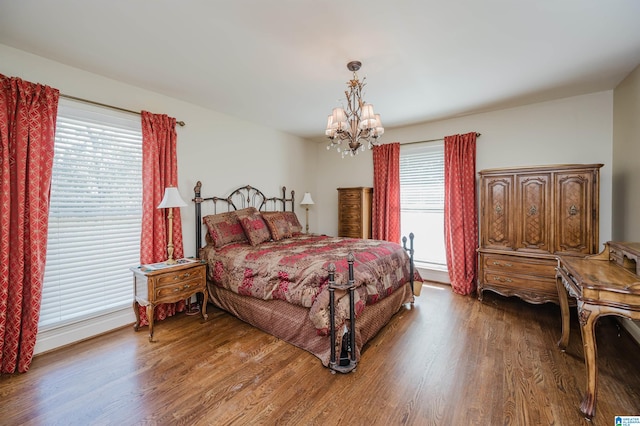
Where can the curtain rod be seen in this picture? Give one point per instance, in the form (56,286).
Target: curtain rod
(432,140)
(180,123)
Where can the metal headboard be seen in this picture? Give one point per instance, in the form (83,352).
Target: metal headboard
(240,198)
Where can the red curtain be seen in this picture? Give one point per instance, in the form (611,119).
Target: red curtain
(386,192)
(159,170)
(460,211)
(28,114)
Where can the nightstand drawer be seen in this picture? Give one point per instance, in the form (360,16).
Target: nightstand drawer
(179,276)
(178,290)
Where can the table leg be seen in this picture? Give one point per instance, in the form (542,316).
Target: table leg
(136,311)
(205,298)
(150,312)
(564,312)
(588,316)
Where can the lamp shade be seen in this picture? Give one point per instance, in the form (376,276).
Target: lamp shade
(171,199)
(306,200)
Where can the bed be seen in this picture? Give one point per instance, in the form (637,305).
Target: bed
(262,269)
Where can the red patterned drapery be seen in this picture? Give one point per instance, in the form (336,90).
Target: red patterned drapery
(386,192)
(28,114)
(460,211)
(159,170)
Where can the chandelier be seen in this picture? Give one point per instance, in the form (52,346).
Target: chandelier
(355,125)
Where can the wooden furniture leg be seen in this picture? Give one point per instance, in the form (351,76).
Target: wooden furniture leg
(564,312)
(150,309)
(205,298)
(588,317)
(136,306)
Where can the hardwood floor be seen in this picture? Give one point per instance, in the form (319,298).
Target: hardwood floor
(449,360)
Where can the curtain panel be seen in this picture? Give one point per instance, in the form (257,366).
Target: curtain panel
(460,211)
(159,170)
(28,114)
(386,192)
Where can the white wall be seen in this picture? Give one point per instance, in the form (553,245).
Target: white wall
(336,172)
(626,159)
(226,153)
(221,151)
(570,130)
(626,167)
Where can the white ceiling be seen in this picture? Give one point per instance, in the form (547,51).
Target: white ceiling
(282,63)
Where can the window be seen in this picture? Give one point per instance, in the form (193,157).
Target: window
(422,201)
(95,214)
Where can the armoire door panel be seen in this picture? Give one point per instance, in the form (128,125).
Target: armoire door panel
(574,215)
(497,214)
(533,212)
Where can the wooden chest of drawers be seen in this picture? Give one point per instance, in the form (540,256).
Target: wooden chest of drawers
(168,285)
(354,212)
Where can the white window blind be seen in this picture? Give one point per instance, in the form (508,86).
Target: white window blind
(95,214)
(422,200)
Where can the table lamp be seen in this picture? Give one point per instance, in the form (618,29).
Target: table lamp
(306,202)
(171,199)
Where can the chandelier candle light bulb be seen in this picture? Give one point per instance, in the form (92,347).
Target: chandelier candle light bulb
(355,125)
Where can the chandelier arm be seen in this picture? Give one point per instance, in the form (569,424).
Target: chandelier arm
(343,135)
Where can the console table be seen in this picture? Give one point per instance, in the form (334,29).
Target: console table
(607,283)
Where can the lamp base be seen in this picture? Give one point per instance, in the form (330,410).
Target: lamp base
(307,221)
(171,262)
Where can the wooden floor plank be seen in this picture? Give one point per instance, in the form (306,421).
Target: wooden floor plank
(447,359)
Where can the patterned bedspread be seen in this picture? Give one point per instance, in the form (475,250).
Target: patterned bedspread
(295,270)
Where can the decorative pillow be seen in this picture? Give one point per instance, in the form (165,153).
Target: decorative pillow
(277,224)
(225,228)
(245,212)
(294,224)
(255,228)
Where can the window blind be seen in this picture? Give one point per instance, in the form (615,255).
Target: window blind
(95,214)
(422,201)
(422,177)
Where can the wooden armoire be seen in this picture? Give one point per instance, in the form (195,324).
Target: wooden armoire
(354,212)
(527,216)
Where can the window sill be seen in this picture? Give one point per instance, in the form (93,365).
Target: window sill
(435,273)
(54,338)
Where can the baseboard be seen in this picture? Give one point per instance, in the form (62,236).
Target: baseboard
(62,336)
(633,327)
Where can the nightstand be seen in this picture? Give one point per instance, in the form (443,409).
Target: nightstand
(168,284)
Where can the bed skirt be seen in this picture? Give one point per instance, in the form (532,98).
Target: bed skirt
(291,322)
